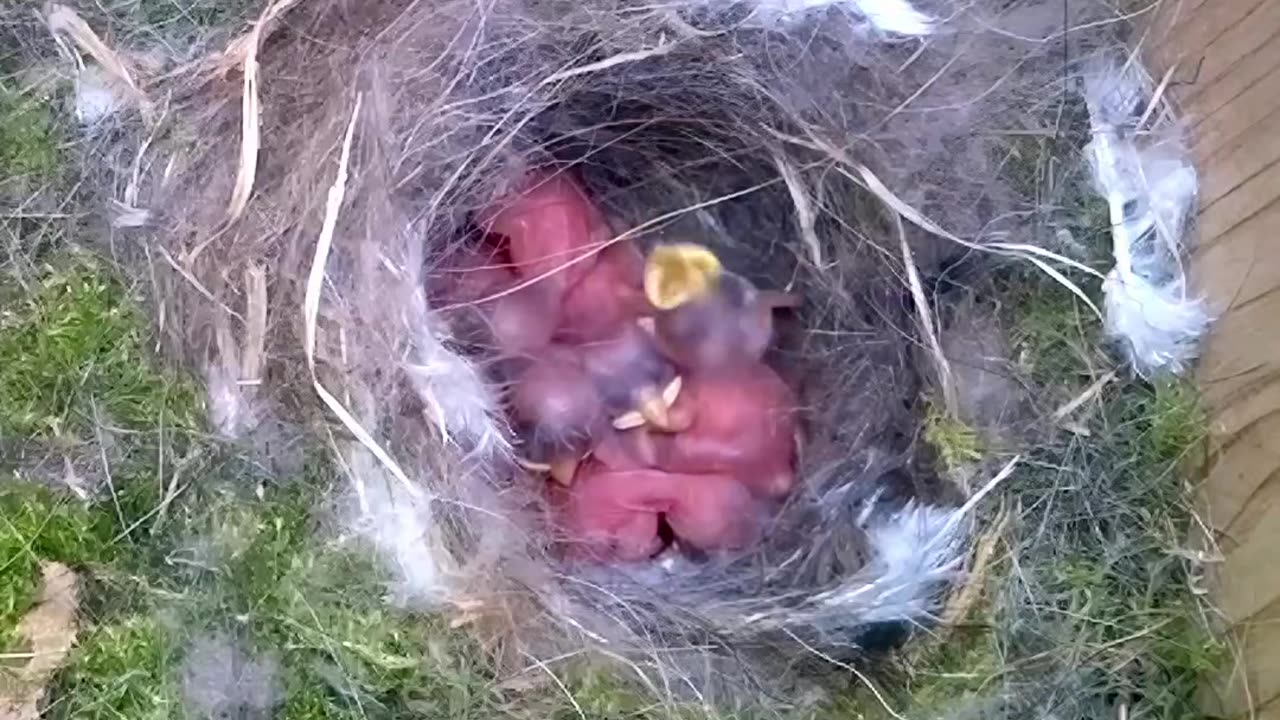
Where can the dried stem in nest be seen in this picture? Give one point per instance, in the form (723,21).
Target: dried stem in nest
(778,145)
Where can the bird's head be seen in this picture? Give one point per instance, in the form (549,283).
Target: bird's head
(680,273)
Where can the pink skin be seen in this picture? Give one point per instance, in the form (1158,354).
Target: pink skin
(606,298)
(524,320)
(613,513)
(474,274)
(518,319)
(547,225)
(554,394)
(711,337)
(583,359)
(740,422)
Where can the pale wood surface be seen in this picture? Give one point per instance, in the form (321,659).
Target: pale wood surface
(1226,55)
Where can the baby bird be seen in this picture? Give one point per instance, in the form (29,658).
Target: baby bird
(587,309)
(550,227)
(614,513)
(630,374)
(707,318)
(607,297)
(741,422)
(499,312)
(556,403)
(568,397)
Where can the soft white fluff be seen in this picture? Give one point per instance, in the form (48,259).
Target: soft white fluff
(229,410)
(913,552)
(1150,188)
(897,17)
(401,528)
(97,96)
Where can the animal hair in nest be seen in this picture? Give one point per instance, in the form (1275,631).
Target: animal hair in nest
(775,139)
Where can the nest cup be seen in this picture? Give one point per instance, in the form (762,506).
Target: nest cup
(303,247)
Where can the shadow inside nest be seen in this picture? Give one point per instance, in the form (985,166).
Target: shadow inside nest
(849,352)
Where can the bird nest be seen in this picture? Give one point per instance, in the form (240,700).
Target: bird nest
(303,193)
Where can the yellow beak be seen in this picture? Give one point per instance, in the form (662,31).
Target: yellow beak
(678,273)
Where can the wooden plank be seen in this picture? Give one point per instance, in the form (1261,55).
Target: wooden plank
(1253,676)
(1243,348)
(1241,355)
(1233,109)
(1259,28)
(1237,267)
(1168,17)
(1239,204)
(1248,581)
(1254,512)
(1236,42)
(1243,467)
(1237,414)
(1246,155)
(1252,112)
(1270,711)
(1205,99)
(1201,27)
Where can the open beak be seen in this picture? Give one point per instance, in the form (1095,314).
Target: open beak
(678,273)
(563,469)
(560,469)
(653,407)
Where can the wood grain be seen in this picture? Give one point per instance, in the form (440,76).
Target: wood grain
(1227,82)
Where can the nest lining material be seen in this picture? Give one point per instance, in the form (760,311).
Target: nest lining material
(814,152)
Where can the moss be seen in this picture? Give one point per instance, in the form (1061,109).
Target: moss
(340,637)
(80,342)
(955,443)
(1101,571)
(28,137)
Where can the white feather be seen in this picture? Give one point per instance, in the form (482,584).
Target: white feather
(1150,189)
(229,410)
(96,95)
(913,552)
(401,529)
(896,17)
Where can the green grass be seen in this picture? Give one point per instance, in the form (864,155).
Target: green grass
(1103,517)
(73,347)
(170,18)
(35,525)
(934,682)
(28,137)
(1097,613)
(219,558)
(77,347)
(121,670)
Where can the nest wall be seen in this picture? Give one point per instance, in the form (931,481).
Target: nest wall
(298,249)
